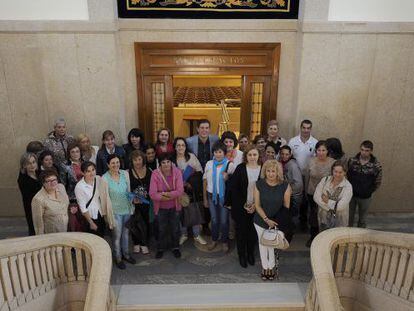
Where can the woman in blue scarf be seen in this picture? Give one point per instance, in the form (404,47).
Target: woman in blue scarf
(214,189)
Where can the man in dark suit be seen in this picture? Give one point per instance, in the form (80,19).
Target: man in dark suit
(201,146)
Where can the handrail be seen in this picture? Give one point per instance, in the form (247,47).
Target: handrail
(33,264)
(384,260)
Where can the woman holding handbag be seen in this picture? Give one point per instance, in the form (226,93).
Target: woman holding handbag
(318,168)
(272,201)
(93,200)
(241,192)
(333,195)
(166,187)
(192,174)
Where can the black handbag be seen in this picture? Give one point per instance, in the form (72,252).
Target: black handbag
(137,227)
(193,215)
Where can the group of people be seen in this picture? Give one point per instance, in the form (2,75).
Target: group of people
(226,187)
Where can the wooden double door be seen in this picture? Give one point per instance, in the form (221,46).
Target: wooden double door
(158,63)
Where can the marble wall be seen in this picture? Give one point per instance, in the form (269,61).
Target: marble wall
(359,86)
(354,81)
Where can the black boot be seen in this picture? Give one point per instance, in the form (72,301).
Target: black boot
(243,261)
(251,259)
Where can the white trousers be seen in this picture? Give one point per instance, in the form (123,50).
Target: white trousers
(267,254)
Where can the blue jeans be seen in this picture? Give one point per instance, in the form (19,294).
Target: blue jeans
(196,230)
(120,237)
(219,220)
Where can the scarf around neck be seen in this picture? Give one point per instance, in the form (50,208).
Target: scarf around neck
(223,168)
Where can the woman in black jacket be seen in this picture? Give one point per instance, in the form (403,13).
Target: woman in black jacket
(29,185)
(242,185)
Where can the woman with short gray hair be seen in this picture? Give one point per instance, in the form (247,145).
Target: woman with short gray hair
(58,140)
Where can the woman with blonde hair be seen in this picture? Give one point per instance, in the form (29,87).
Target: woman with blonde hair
(89,151)
(272,201)
(29,185)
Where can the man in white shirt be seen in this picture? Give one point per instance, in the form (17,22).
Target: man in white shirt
(303,149)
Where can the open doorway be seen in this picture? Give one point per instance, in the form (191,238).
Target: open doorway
(233,85)
(213,97)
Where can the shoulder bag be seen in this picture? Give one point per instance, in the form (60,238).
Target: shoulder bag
(184,199)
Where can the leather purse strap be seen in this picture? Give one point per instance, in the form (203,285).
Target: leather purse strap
(93,194)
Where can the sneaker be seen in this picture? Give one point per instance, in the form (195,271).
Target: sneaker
(177,253)
(159,254)
(212,246)
(144,250)
(137,249)
(200,240)
(120,265)
(183,238)
(225,247)
(130,260)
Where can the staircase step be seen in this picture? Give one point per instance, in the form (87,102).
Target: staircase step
(222,296)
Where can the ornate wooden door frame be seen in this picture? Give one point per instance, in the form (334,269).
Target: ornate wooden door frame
(255,62)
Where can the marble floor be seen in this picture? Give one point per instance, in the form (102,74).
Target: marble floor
(200,267)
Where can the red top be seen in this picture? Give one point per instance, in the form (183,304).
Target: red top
(168,149)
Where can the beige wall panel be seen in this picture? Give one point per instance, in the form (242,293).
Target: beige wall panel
(25,86)
(384,123)
(129,85)
(26,116)
(355,64)
(317,85)
(62,85)
(7,137)
(286,104)
(6,128)
(100,85)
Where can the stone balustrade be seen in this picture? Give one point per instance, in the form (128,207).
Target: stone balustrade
(61,271)
(359,269)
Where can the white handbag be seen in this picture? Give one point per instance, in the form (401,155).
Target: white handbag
(274,238)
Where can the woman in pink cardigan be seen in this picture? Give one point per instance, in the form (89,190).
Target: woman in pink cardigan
(166,187)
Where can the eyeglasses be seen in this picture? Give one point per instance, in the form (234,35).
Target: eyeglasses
(51,181)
